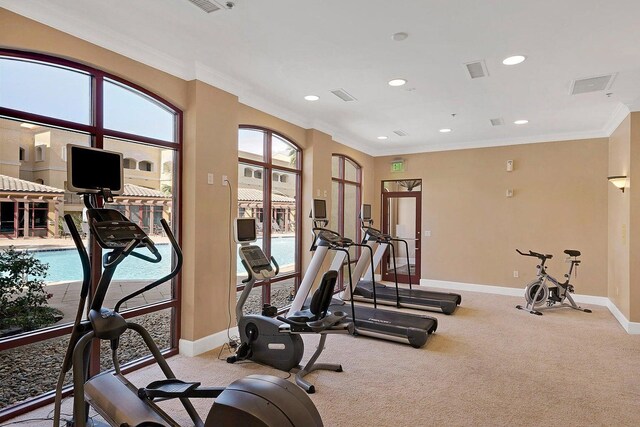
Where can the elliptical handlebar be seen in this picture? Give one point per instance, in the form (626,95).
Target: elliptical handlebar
(174,272)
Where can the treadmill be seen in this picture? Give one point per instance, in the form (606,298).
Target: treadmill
(389,325)
(366,290)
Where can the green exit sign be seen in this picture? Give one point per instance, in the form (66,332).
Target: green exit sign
(397,166)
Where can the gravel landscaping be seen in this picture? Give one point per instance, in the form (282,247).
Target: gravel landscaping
(33,369)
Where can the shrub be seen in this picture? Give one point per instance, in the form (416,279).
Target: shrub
(23,296)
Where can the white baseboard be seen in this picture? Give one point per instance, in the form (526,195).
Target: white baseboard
(194,348)
(630,327)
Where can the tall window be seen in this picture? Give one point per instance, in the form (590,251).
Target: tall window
(275,203)
(47,103)
(346,176)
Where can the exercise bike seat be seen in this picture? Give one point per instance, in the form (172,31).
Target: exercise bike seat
(572,252)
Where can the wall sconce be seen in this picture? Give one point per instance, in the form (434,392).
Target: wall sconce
(619,181)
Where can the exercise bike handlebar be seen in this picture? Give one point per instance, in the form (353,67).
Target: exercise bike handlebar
(542,257)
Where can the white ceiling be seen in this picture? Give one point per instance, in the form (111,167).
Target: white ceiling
(273,53)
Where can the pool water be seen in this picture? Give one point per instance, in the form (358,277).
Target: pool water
(64,265)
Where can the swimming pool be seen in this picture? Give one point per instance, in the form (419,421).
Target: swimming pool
(64,264)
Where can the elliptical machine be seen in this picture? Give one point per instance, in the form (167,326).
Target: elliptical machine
(256,400)
(277,342)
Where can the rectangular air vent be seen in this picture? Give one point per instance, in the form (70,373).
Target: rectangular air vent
(206,5)
(344,95)
(400,133)
(497,122)
(477,69)
(591,84)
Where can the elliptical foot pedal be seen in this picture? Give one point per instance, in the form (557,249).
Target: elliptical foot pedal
(169,388)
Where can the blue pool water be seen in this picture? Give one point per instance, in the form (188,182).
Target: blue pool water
(64,265)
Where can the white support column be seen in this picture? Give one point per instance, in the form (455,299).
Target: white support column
(308,279)
(25,219)
(362,268)
(377,257)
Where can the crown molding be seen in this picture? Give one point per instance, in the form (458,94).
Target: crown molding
(617,116)
(494,143)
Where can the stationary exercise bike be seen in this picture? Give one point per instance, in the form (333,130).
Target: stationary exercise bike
(539,295)
(277,342)
(256,400)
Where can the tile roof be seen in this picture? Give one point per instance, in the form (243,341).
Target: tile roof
(254,195)
(133,190)
(16,185)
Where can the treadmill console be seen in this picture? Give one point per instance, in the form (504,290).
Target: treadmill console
(373,234)
(257,261)
(331,238)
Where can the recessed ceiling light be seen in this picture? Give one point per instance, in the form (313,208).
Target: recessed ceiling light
(28,126)
(399,36)
(397,82)
(311,97)
(445,130)
(521,122)
(514,60)
(383,137)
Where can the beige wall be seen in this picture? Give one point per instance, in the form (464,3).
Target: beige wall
(619,216)
(624,219)
(559,202)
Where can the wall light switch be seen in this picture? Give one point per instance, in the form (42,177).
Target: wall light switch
(210,178)
(225,180)
(515,273)
(427,233)
(318,192)
(509,193)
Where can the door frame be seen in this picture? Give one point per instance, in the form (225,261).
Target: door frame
(417,195)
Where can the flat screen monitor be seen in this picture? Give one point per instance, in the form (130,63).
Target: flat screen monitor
(89,170)
(319,209)
(365,213)
(245,230)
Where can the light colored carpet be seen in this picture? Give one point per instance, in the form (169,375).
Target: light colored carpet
(488,365)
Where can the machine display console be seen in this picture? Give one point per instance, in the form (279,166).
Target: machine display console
(257,261)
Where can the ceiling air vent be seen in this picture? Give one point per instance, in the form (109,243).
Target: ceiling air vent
(477,69)
(497,122)
(591,84)
(400,133)
(344,95)
(206,5)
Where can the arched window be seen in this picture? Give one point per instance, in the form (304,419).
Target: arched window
(40,153)
(129,163)
(346,176)
(248,172)
(145,166)
(72,103)
(273,159)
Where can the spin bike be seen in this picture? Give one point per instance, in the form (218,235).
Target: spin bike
(538,293)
